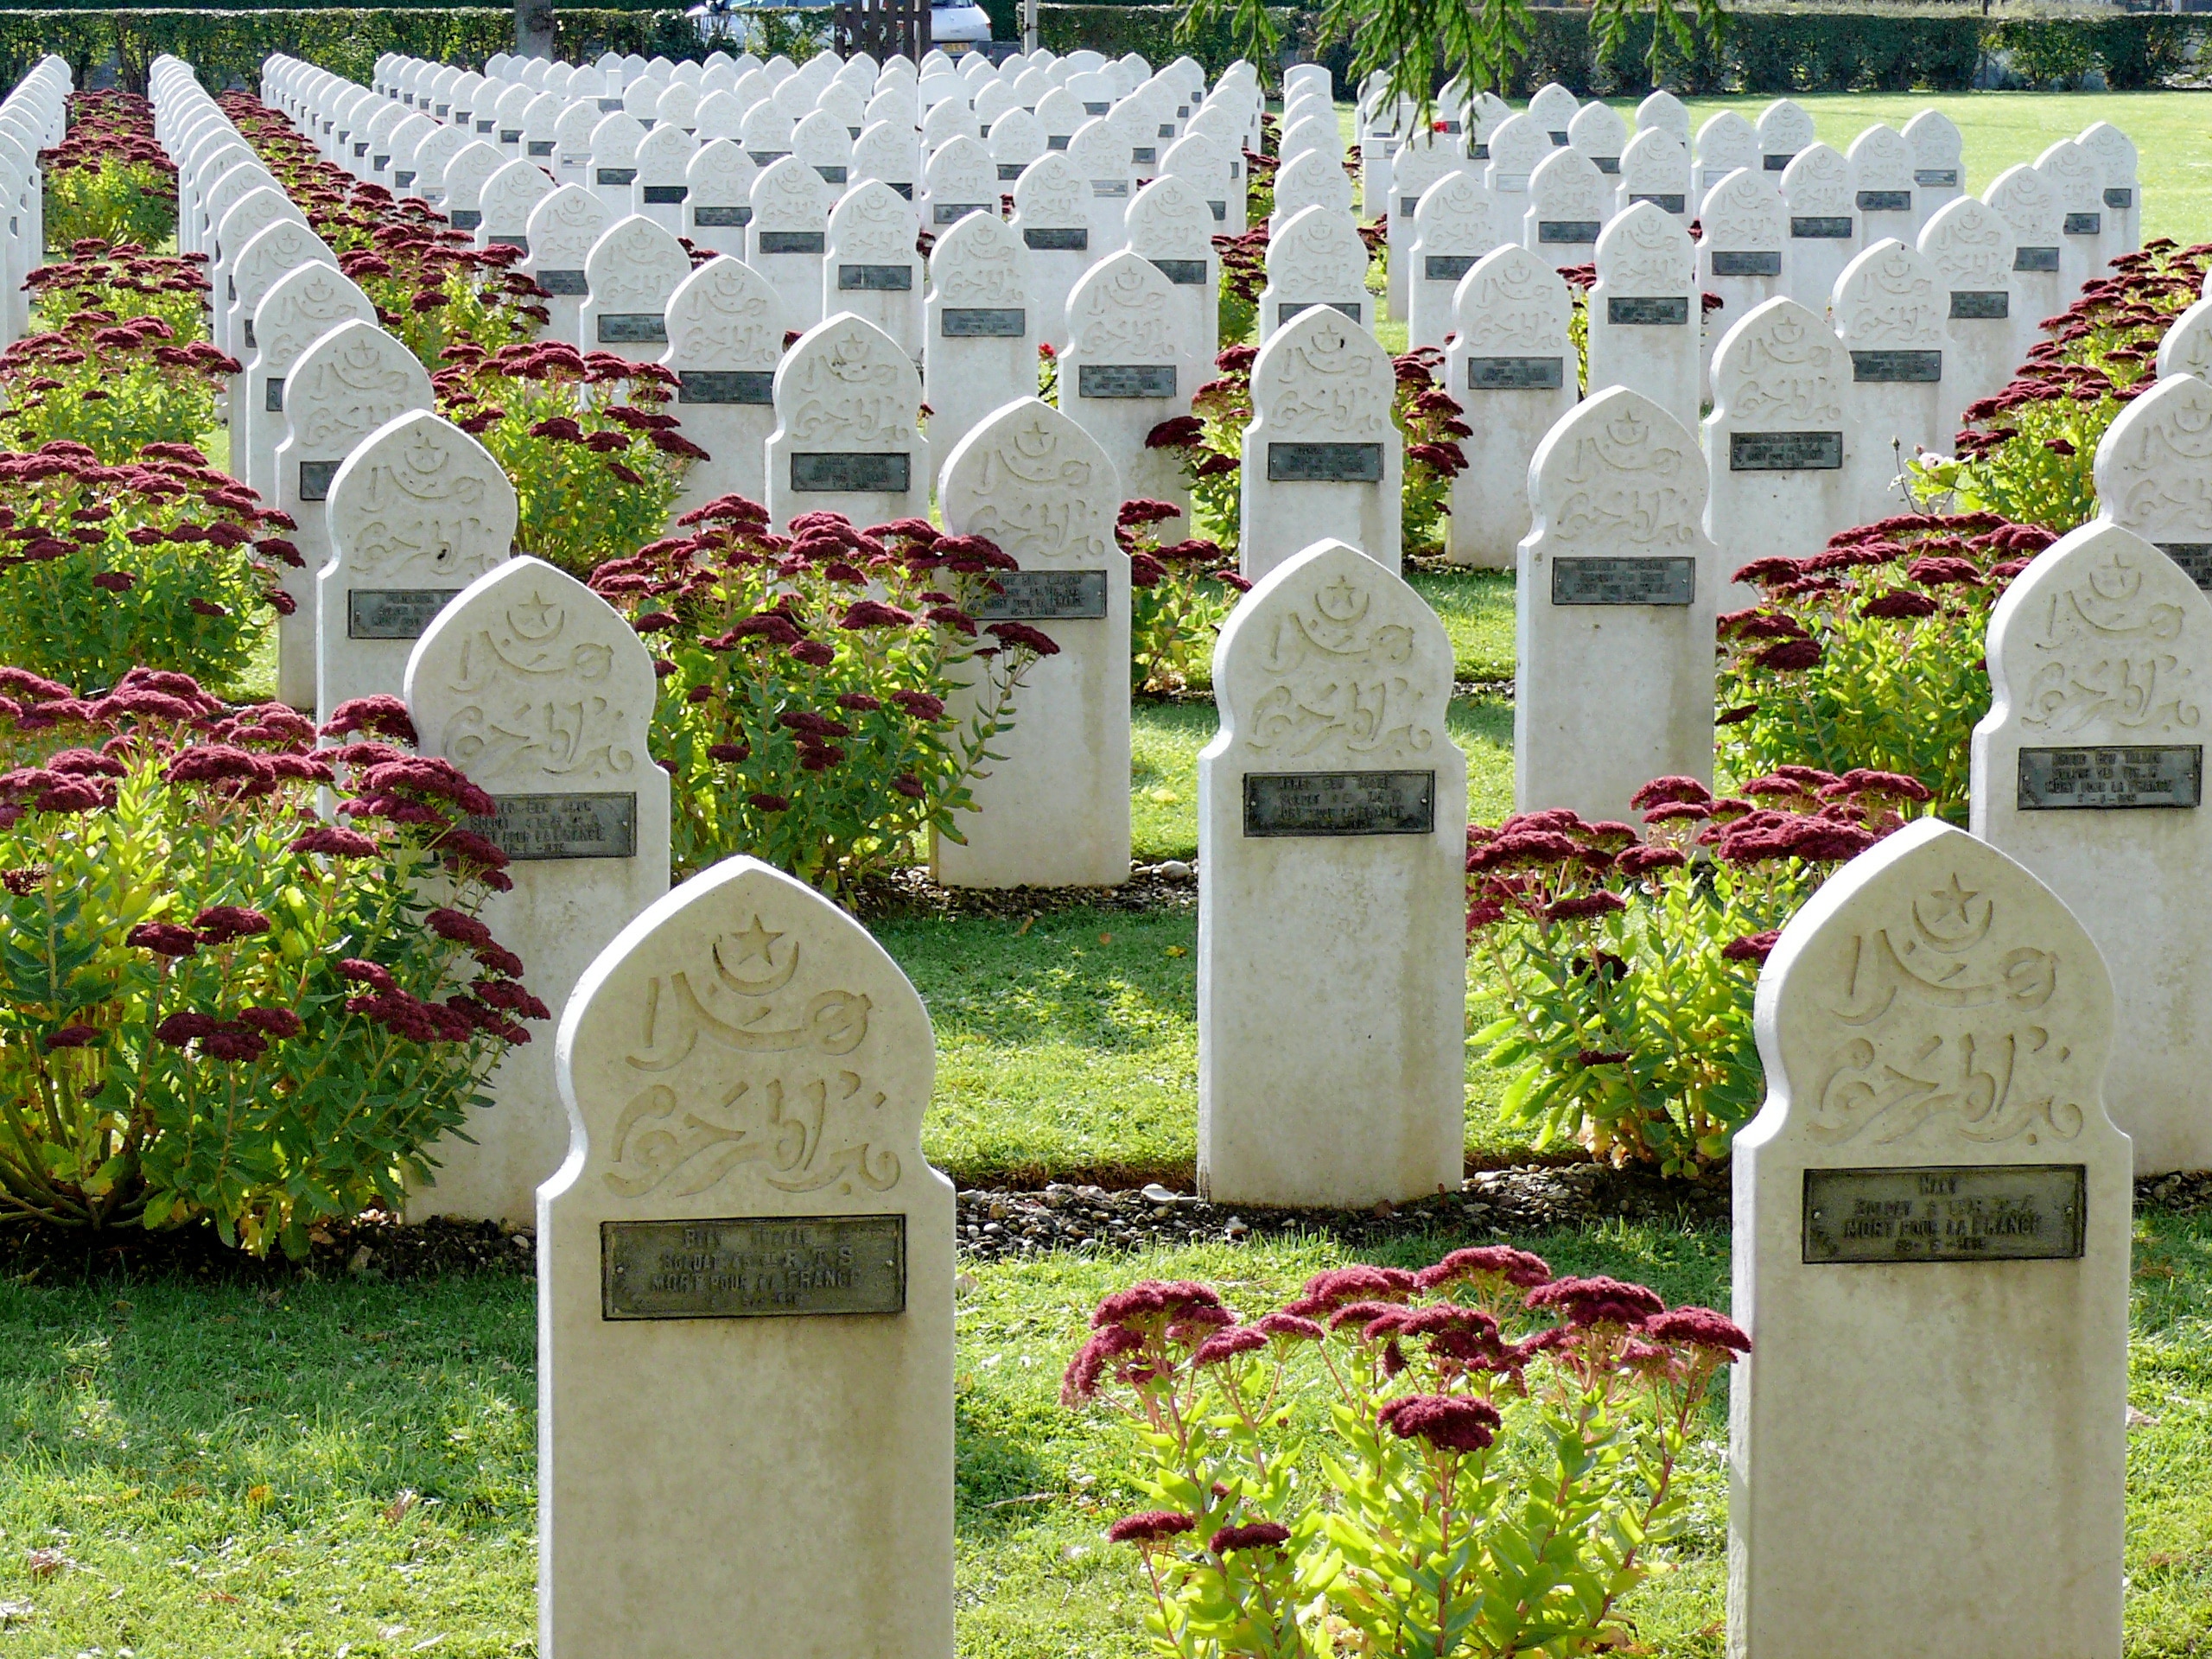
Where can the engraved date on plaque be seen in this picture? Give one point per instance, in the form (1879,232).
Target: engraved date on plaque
(1286,309)
(1045,596)
(1961,1212)
(1183,273)
(852,472)
(1885,202)
(1666,201)
(1057,239)
(1566,230)
(2111,775)
(792,241)
(1446,267)
(711,214)
(750,1267)
(1648,308)
(1784,452)
(2084,224)
(983,322)
(393,613)
(1339,803)
(1325,463)
(1125,381)
(1515,373)
(725,386)
(1623,582)
(1896,368)
(529,828)
(1941,178)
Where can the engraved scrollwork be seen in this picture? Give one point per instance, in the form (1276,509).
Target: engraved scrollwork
(724,316)
(1341,677)
(1971,247)
(1787,367)
(1744,213)
(849,384)
(1817,182)
(426,503)
(1891,299)
(1515,303)
(978,262)
(635,267)
(1026,485)
(531,705)
(1318,256)
(872,226)
(1616,479)
(1122,312)
(1049,192)
(1324,378)
(2109,651)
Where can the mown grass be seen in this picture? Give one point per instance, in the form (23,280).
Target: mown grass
(348,1468)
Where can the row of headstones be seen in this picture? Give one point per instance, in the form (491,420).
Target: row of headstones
(33,117)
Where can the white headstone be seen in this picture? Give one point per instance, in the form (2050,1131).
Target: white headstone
(1971,249)
(1317,259)
(960,178)
(1617,590)
(2077,180)
(981,321)
(1726,143)
(417,512)
(725,337)
(1597,131)
(304,304)
(466,174)
(1101,159)
(631,272)
(2186,347)
(1054,808)
(1569,202)
(1170,224)
(1645,312)
(1882,179)
(1455,223)
(1322,456)
(1664,112)
(662,182)
(277,250)
(562,230)
(1553,109)
(543,693)
(746,1071)
(1656,167)
(1331,831)
(718,196)
(509,197)
(1315,179)
(1777,441)
(1421,161)
(1938,166)
(614,143)
(1054,225)
(847,435)
(2150,468)
(2116,159)
(1784,129)
(870,268)
(1511,366)
(1934,1026)
(1743,231)
(1823,207)
(787,235)
(1891,309)
(1125,369)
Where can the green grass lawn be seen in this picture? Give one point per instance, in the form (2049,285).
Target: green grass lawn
(349,1468)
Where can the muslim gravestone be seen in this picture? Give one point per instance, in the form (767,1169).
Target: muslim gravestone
(1324,457)
(1318,259)
(1891,312)
(562,230)
(869,266)
(980,319)
(1645,314)
(2150,468)
(631,271)
(725,337)
(847,435)
(788,235)
(1511,366)
(1127,368)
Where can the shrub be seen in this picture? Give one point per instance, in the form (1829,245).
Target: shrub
(1502,1456)
(108,180)
(825,697)
(117,368)
(1212,452)
(1180,595)
(1244,274)
(1048,374)
(1869,654)
(150,565)
(2026,454)
(595,457)
(1429,420)
(212,1008)
(1627,963)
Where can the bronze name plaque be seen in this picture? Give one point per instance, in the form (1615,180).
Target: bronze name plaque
(725,385)
(1515,373)
(1784,452)
(2111,775)
(982,321)
(1981,304)
(1648,308)
(1570,231)
(792,241)
(1885,202)
(1339,803)
(2194,557)
(1958,1212)
(1623,582)
(534,827)
(721,214)
(852,472)
(753,1266)
(1896,368)
(632,328)
(563,281)
(2035,259)
(1045,596)
(393,613)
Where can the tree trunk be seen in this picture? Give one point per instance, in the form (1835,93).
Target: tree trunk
(534,28)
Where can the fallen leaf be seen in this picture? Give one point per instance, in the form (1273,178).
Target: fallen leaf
(45,1563)
(396,1509)
(1105,938)
(1178,949)
(222,1596)
(190,1489)
(257,1494)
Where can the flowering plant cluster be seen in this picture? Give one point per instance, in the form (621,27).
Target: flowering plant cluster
(1048,374)
(159,563)
(2025,453)
(825,696)
(1243,269)
(119,363)
(1180,595)
(1502,1460)
(109,179)
(431,285)
(1211,439)
(1431,422)
(1869,653)
(1626,961)
(594,455)
(213,1005)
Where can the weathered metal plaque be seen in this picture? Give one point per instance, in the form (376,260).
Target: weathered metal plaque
(402,177)
(1045,596)
(1606,163)
(1095,107)
(1777,163)
(750,1267)
(2035,259)
(905,188)
(466,219)
(1056,140)
(1893,368)
(247,324)
(1560,140)
(1408,205)
(1446,267)
(876,278)
(1144,155)
(983,322)
(792,241)
(521,243)
(632,328)
(272,395)
(393,613)
(1220,211)
(2119,200)
(766,157)
(1885,202)
(951,213)
(314,480)
(1325,463)
(1110,189)
(1941,178)
(1974,304)
(851,473)
(511,135)
(530,827)
(665,193)
(2111,775)
(725,386)
(1286,309)
(1667,201)
(1184,273)
(1836,227)
(1785,452)
(1515,373)
(1125,381)
(1009,171)
(563,281)
(703,214)
(830,175)
(2194,557)
(616,174)
(1953,1212)
(1623,582)
(1339,803)
(1058,239)
(1648,308)
(537,149)
(2084,224)
(1476,152)
(1737,262)
(1550,231)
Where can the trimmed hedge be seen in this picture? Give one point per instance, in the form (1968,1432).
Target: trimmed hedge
(1792,50)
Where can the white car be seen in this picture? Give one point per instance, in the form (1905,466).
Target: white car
(955,27)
